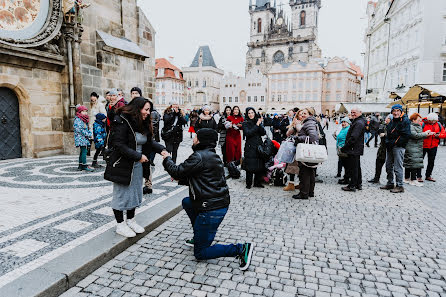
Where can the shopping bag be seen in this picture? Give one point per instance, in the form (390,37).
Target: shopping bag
(311,153)
(286,152)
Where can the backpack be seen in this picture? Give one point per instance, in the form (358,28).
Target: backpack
(234,172)
(278,177)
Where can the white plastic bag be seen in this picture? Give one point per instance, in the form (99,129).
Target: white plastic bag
(286,152)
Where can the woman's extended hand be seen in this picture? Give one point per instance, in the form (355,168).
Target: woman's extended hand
(144,159)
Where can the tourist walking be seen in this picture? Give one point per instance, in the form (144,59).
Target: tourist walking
(413,157)
(206,120)
(430,145)
(132,142)
(224,124)
(381,154)
(82,136)
(253,163)
(277,133)
(354,148)
(100,135)
(398,134)
(208,199)
(172,132)
(233,136)
(193,120)
(307,171)
(374,127)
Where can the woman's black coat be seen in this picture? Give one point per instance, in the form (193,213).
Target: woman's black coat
(252,161)
(169,120)
(123,140)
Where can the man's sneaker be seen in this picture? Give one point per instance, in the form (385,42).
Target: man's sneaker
(134,226)
(190,242)
(124,230)
(420,180)
(245,256)
(430,179)
(397,190)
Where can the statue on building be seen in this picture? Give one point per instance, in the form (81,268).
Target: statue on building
(71,8)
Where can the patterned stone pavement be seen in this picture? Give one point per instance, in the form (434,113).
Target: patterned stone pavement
(49,208)
(368,243)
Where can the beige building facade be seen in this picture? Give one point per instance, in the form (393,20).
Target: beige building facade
(52,62)
(170,84)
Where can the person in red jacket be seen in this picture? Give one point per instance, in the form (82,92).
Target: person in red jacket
(233,136)
(431,143)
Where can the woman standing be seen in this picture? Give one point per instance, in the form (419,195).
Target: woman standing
(307,171)
(340,142)
(193,121)
(233,136)
(133,141)
(206,119)
(253,164)
(82,136)
(277,135)
(223,124)
(172,132)
(293,168)
(413,157)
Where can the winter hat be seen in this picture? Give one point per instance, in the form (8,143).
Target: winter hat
(432,117)
(390,116)
(100,116)
(136,89)
(80,108)
(397,106)
(207,136)
(206,107)
(275,114)
(113,92)
(347,120)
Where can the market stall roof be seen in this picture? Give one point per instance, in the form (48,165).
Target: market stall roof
(413,94)
(366,107)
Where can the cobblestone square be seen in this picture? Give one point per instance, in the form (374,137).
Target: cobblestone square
(368,243)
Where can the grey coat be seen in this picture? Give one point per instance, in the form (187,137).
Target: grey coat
(413,158)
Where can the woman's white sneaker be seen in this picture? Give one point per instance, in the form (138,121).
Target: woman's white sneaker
(415,183)
(406,181)
(124,230)
(134,226)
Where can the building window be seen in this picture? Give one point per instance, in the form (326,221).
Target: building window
(262,99)
(255,98)
(303,16)
(285,98)
(279,98)
(249,98)
(196,83)
(204,84)
(236,99)
(190,98)
(338,97)
(258,62)
(230,99)
(259,26)
(164,100)
(224,99)
(444,72)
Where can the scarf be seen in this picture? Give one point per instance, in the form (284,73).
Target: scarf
(84,118)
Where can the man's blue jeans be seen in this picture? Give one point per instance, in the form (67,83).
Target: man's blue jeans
(205,227)
(394,164)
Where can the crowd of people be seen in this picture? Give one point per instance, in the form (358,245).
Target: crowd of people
(128,135)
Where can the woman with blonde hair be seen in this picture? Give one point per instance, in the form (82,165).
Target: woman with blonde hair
(292,169)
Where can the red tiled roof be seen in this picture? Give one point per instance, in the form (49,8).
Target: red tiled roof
(169,69)
(357,69)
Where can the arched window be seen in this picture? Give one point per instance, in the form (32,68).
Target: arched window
(279,57)
(259,26)
(258,62)
(303,16)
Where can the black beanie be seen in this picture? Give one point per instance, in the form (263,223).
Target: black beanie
(207,136)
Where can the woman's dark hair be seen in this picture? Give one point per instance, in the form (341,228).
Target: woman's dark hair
(94,94)
(256,115)
(239,111)
(133,113)
(224,110)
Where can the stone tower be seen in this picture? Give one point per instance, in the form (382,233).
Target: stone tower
(305,14)
(262,16)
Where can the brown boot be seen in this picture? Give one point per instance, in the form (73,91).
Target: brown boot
(397,190)
(289,187)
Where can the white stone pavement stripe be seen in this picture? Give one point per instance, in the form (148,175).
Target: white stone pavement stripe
(24,248)
(16,273)
(63,216)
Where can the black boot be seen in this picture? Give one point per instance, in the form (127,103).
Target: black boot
(96,165)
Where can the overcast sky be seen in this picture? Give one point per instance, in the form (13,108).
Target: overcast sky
(183,25)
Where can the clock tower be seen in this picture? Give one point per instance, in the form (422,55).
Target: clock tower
(305,18)
(262,16)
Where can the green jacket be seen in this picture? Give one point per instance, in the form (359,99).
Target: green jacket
(413,158)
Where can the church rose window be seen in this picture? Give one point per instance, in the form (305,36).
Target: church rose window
(279,57)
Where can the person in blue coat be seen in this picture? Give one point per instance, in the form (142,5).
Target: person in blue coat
(82,136)
(340,142)
(100,137)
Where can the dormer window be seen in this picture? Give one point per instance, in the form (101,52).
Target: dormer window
(161,72)
(177,74)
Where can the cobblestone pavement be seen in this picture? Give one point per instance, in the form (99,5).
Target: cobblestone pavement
(368,243)
(49,208)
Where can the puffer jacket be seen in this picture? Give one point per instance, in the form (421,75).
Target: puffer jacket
(340,139)
(82,134)
(354,141)
(204,172)
(169,120)
(222,129)
(99,135)
(413,157)
(309,129)
(123,140)
(252,161)
(398,132)
(432,141)
(205,121)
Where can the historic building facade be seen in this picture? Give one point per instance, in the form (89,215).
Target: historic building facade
(203,79)
(170,84)
(53,54)
(274,39)
(405,45)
